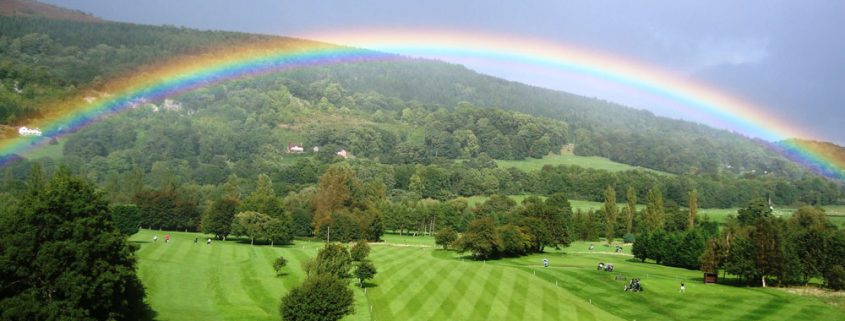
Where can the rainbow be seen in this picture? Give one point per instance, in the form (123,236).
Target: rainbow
(268,55)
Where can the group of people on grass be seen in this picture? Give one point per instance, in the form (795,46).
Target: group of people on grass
(606,267)
(618,248)
(167,239)
(634,286)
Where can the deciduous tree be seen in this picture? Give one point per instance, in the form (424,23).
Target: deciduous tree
(218,217)
(322,297)
(445,237)
(250,224)
(480,239)
(364,270)
(63,258)
(360,250)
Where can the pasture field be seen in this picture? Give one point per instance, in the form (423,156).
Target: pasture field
(47,150)
(472,201)
(596,162)
(835,213)
(235,281)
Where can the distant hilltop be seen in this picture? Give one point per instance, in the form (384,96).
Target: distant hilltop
(29,8)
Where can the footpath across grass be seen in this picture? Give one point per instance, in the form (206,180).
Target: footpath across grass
(234,281)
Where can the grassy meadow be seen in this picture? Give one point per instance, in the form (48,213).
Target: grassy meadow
(472,201)
(416,281)
(835,213)
(47,150)
(596,162)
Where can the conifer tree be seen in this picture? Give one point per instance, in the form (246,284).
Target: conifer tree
(610,212)
(693,209)
(654,216)
(632,208)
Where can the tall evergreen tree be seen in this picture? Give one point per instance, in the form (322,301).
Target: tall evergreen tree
(632,208)
(693,209)
(263,200)
(610,211)
(654,216)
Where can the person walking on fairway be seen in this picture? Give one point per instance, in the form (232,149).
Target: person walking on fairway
(683,289)
(196,239)
(545,262)
(208,242)
(167,238)
(155,238)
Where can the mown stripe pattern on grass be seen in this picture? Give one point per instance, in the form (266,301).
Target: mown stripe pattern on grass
(235,281)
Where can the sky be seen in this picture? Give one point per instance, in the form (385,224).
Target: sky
(786,56)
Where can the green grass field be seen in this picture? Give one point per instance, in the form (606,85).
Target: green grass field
(835,213)
(234,281)
(472,201)
(47,150)
(595,162)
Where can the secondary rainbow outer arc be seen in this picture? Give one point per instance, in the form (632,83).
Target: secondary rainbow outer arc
(260,58)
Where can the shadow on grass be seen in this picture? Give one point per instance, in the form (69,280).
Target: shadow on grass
(148,314)
(257,243)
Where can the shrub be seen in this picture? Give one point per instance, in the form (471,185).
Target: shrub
(320,297)
(445,237)
(278,264)
(835,277)
(360,250)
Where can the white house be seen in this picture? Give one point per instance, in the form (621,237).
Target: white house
(171,104)
(295,148)
(343,153)
(23,131)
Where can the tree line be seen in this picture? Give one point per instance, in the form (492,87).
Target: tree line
(761,248)
(63,257)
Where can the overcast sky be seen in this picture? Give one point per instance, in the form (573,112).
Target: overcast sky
(788,56)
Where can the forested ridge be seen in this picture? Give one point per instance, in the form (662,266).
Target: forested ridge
(43,60)
(424,129)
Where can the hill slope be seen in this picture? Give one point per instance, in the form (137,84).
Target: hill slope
(825,150)
(30,8)
(597,128)
(401,112)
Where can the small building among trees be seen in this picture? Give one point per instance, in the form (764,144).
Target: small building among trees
(24,131)
(295,148)
(710,277)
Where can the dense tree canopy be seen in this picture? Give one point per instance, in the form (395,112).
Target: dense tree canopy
(63,258)
(322,297)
